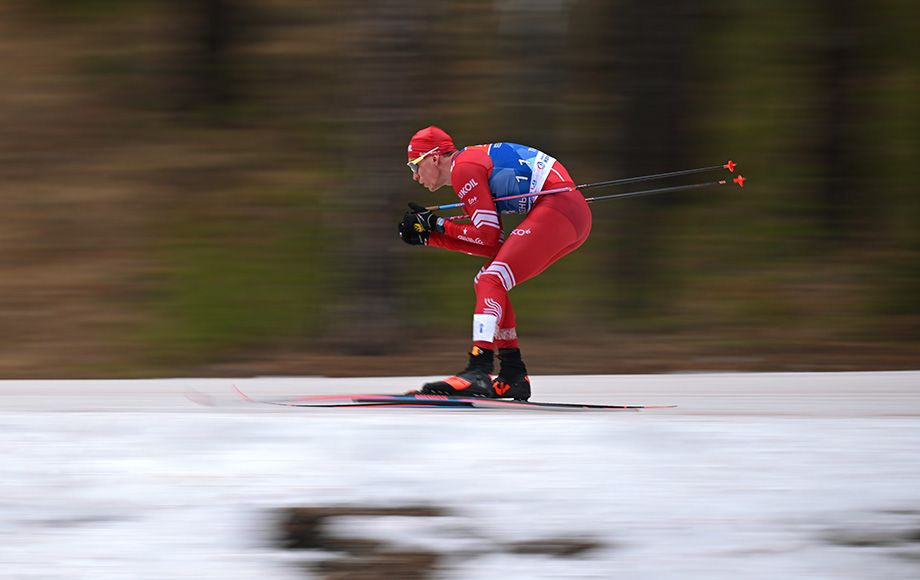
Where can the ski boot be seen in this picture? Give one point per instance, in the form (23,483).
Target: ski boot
(512,381)
(473,381)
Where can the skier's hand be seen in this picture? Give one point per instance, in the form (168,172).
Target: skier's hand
(421,219)
(408,234)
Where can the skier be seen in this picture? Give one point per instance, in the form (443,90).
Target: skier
(555,225)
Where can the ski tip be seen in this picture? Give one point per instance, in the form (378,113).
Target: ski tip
(243,395)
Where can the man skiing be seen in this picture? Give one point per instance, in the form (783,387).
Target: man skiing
(555,225)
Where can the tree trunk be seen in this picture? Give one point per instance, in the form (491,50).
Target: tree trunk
(841,203)
(206,74)
(534,77)
(387,101)
(652,52)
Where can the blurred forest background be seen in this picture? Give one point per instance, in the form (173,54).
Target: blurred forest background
(211,187)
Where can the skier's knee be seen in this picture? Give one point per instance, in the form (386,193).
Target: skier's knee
(489,285)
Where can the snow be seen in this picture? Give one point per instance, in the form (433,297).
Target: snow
(753,476)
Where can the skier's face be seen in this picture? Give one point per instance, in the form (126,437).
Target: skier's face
(429,172)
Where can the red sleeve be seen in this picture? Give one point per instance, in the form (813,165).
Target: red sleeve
(469,177)
(471,248)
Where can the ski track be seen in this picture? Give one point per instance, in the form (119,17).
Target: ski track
(800,475)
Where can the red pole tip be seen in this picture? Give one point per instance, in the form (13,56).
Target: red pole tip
(740,180)
(730,165)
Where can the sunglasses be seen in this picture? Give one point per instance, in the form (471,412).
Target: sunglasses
(413,165)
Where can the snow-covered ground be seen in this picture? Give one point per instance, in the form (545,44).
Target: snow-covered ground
(752,476)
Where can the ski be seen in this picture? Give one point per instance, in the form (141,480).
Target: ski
(439,401)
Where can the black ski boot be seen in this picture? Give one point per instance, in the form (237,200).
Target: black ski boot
(473,381)
(512,381)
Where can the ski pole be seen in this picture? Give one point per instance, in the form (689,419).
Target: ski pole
(739,181)
(730,165)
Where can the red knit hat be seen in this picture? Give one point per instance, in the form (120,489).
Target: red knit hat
(430,138)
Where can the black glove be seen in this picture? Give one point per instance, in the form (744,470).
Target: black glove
(412,237)
(424,218)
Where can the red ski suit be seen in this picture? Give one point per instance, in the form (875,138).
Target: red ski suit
(556,225)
